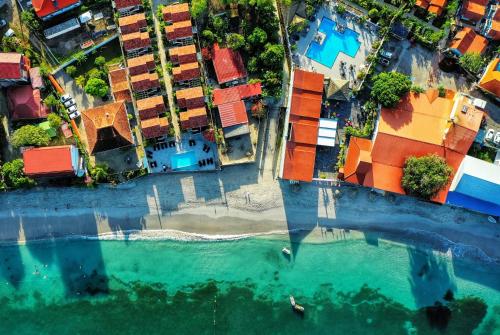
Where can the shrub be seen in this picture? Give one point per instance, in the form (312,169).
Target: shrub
(81,81)
(425,176)
(389,87)
(50,101)
(253,65)
(29,18)
(13,174)
(30,135)
(96,87)
(373,14)
(54,120)
(198,7)
(80,57)
(441,91)
(96,73)
(417,89)
(472,62)
(100,173)
(273,56)
(341,9)
(258,37)
(208,36)
(71,71)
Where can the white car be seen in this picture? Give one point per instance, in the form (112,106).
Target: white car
(74,114)
(65,98)
(489,135)
(496,140)
(69,103)
(72,109)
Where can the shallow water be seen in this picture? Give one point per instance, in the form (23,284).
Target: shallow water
(167,287)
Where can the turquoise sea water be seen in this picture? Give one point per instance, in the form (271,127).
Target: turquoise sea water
(242,287)
(334,43)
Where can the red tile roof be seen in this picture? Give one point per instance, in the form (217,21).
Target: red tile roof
(179,30)
(107,127)
(154,127)
(141,64)
(474,10)
(120,4)
(12,65)
(305,109)
(150,107)
(132,23)
(36,78)
(236,93)
(228,64)
(136,40)
(194,118)
(46,7)
(190,97)
(49,161)
(233,113)
(176,12)
(184,54)
(186,72)
(119,84)
(25,103)
(143,82)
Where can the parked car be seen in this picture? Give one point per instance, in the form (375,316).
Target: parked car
(489,135)
(69,103)
(9,33)
(65,98)
(3,23)
(74,114)
(72,109)
(386,54)
(496,140)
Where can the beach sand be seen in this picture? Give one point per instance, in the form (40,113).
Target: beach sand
(240,201)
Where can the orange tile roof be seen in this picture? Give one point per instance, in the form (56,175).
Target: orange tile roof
(176,8)
(308,81)
(190,93)
(490,82)
(119,84)
(474,9)
(190,113)
(466,40)
(182,51)
(141,60)
(151,102)
(304,130)
(107,127)
(177,25)
(46,7)
(131,19)
(154,127)
(299,162)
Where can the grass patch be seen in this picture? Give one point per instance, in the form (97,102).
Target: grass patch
(110,51)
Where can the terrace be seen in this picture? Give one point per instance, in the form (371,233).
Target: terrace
(332,40)
(184,155)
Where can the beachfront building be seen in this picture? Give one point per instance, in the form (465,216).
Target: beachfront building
(107,127)
(14,69)
(53,162)
(119,84)
(419,125)
(476,186)
(300,135)
(467,41)
(25,103)
(490,81)
(47,9)
(228,65)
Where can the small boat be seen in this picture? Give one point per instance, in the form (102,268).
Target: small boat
(296,307)
(286,251)
(492,219)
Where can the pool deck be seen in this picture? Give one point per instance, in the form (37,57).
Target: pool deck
(163,156)
(366,38)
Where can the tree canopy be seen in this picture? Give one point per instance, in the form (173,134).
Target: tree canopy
(472,62)
(13,175)
(273,56)
(30,135)
(96,87)
(71,70)
(425,176)
(99,61)
(54,120)
(258,37)
(198,7)
(235,41)
(389,87)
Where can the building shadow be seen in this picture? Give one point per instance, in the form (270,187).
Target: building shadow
(430,277)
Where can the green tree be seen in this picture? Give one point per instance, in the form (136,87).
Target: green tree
(100,173)
(13,174)
(389,87)
(425,176)
(51,101)
(96,73)
(198,7)
(30,135)
(80,57)
(96,87)
(235,41)
(258,37)
(100,61)
(81,80)
(472,62)
(71,71)
(29,18)
(208,36)
(54,120)
(273,56)
(253,65)
(220,26)
(373,14)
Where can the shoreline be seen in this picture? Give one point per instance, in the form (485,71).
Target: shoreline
(210,206)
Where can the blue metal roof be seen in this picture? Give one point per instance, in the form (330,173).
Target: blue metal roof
(479,188)
(462,200)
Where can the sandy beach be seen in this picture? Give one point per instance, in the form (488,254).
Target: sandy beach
(240,200)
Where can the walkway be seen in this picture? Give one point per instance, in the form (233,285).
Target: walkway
(166,75)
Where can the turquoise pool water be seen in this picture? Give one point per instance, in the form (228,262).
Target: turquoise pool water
(334,43)
(184,160)
(241,287)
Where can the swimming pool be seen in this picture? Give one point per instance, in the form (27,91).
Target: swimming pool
(335,42)
(184,160)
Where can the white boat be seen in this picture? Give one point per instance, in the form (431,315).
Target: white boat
(296,307)
(286,251)
(492,219)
